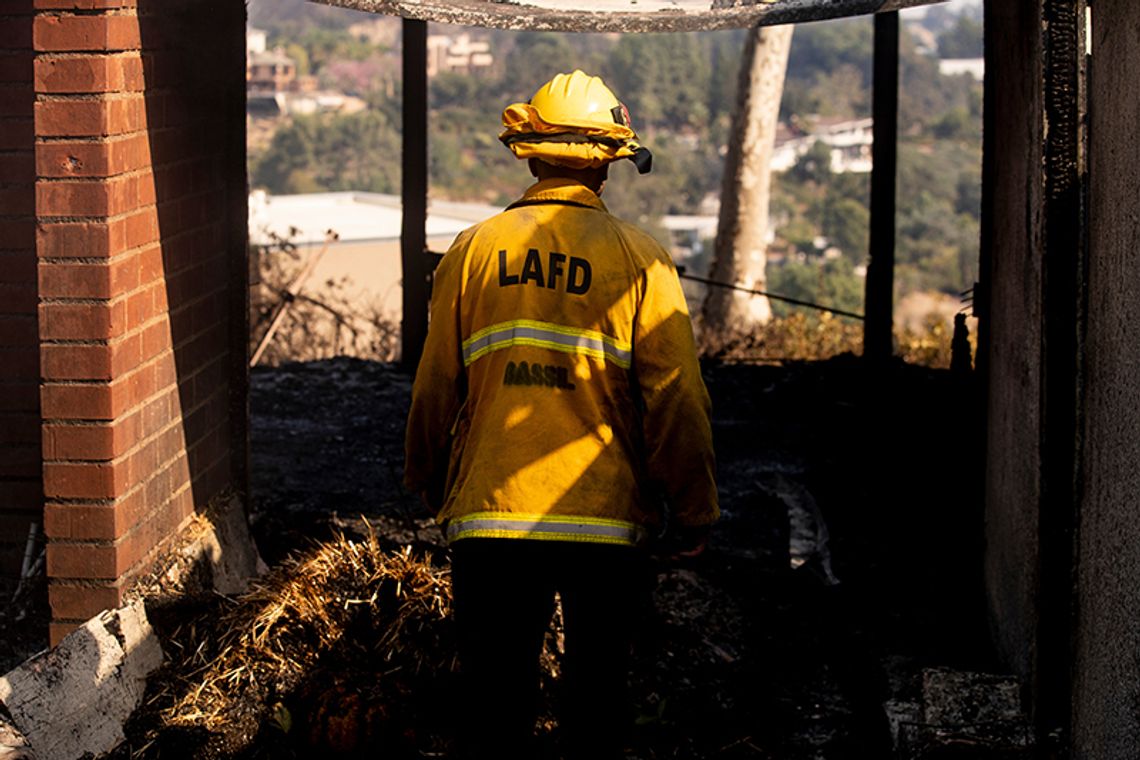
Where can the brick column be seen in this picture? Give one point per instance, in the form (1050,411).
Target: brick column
(136,241)
(21,499)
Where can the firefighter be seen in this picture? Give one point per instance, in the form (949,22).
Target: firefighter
(558,420)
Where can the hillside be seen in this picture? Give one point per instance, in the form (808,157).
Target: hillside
(680,90)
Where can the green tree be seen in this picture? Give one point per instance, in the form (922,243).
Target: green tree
(326,45)
(724,52)
(962,40)
(954,124)
(938,226)
(535,57)
(925,95)
(292,150)
(842,92)
(938,18)
(969,191)
(290,18)
(331,152)
(663,78)
(799,233)
(300,57)
(449,89)
(813,166)
(847,225)
(830,283)
(819,53)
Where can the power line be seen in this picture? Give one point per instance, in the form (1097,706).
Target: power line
(820,307)
(716,283)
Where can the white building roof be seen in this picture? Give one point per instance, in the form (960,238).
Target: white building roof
(354,216)
(255,40)
(975,67)
(703,225)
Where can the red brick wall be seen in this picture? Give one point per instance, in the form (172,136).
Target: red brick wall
(21,496)
(140,195)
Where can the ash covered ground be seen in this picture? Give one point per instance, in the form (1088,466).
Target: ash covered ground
(741,656)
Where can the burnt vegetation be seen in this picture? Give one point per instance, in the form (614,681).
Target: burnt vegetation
(344,648)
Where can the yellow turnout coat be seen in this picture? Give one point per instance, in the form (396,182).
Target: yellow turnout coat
(559,395)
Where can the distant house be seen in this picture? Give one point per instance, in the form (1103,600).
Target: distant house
(849,139)
(975,67)
(457,54)
(256,41)
(688,234)
(274,88)
(270,72)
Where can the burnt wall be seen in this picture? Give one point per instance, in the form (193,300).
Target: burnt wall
(1016,310)
(1106,704)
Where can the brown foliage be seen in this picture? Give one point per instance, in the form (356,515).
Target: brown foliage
(234,672)
(802,337)
(796,337)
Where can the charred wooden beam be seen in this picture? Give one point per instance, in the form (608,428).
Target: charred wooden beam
(877,332)
(1063,357)
(623,16)
(413,191)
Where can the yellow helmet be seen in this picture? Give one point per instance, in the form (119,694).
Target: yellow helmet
(573,120)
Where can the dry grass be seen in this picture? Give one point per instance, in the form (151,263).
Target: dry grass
(796,337)
(235,668)
(803,337)
(930,345)
(343,648)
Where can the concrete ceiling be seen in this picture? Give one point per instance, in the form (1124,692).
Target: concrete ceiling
(623,15)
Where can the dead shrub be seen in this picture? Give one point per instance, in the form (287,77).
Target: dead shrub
(314,323)
(810,337)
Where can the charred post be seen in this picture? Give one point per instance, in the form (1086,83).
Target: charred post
(1064,279)
(413,189)
(877,333)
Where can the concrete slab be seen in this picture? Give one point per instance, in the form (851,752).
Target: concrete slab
(961,714)
(72,700)
(954,697)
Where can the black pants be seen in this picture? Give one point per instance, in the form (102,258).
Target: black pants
(503,600)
